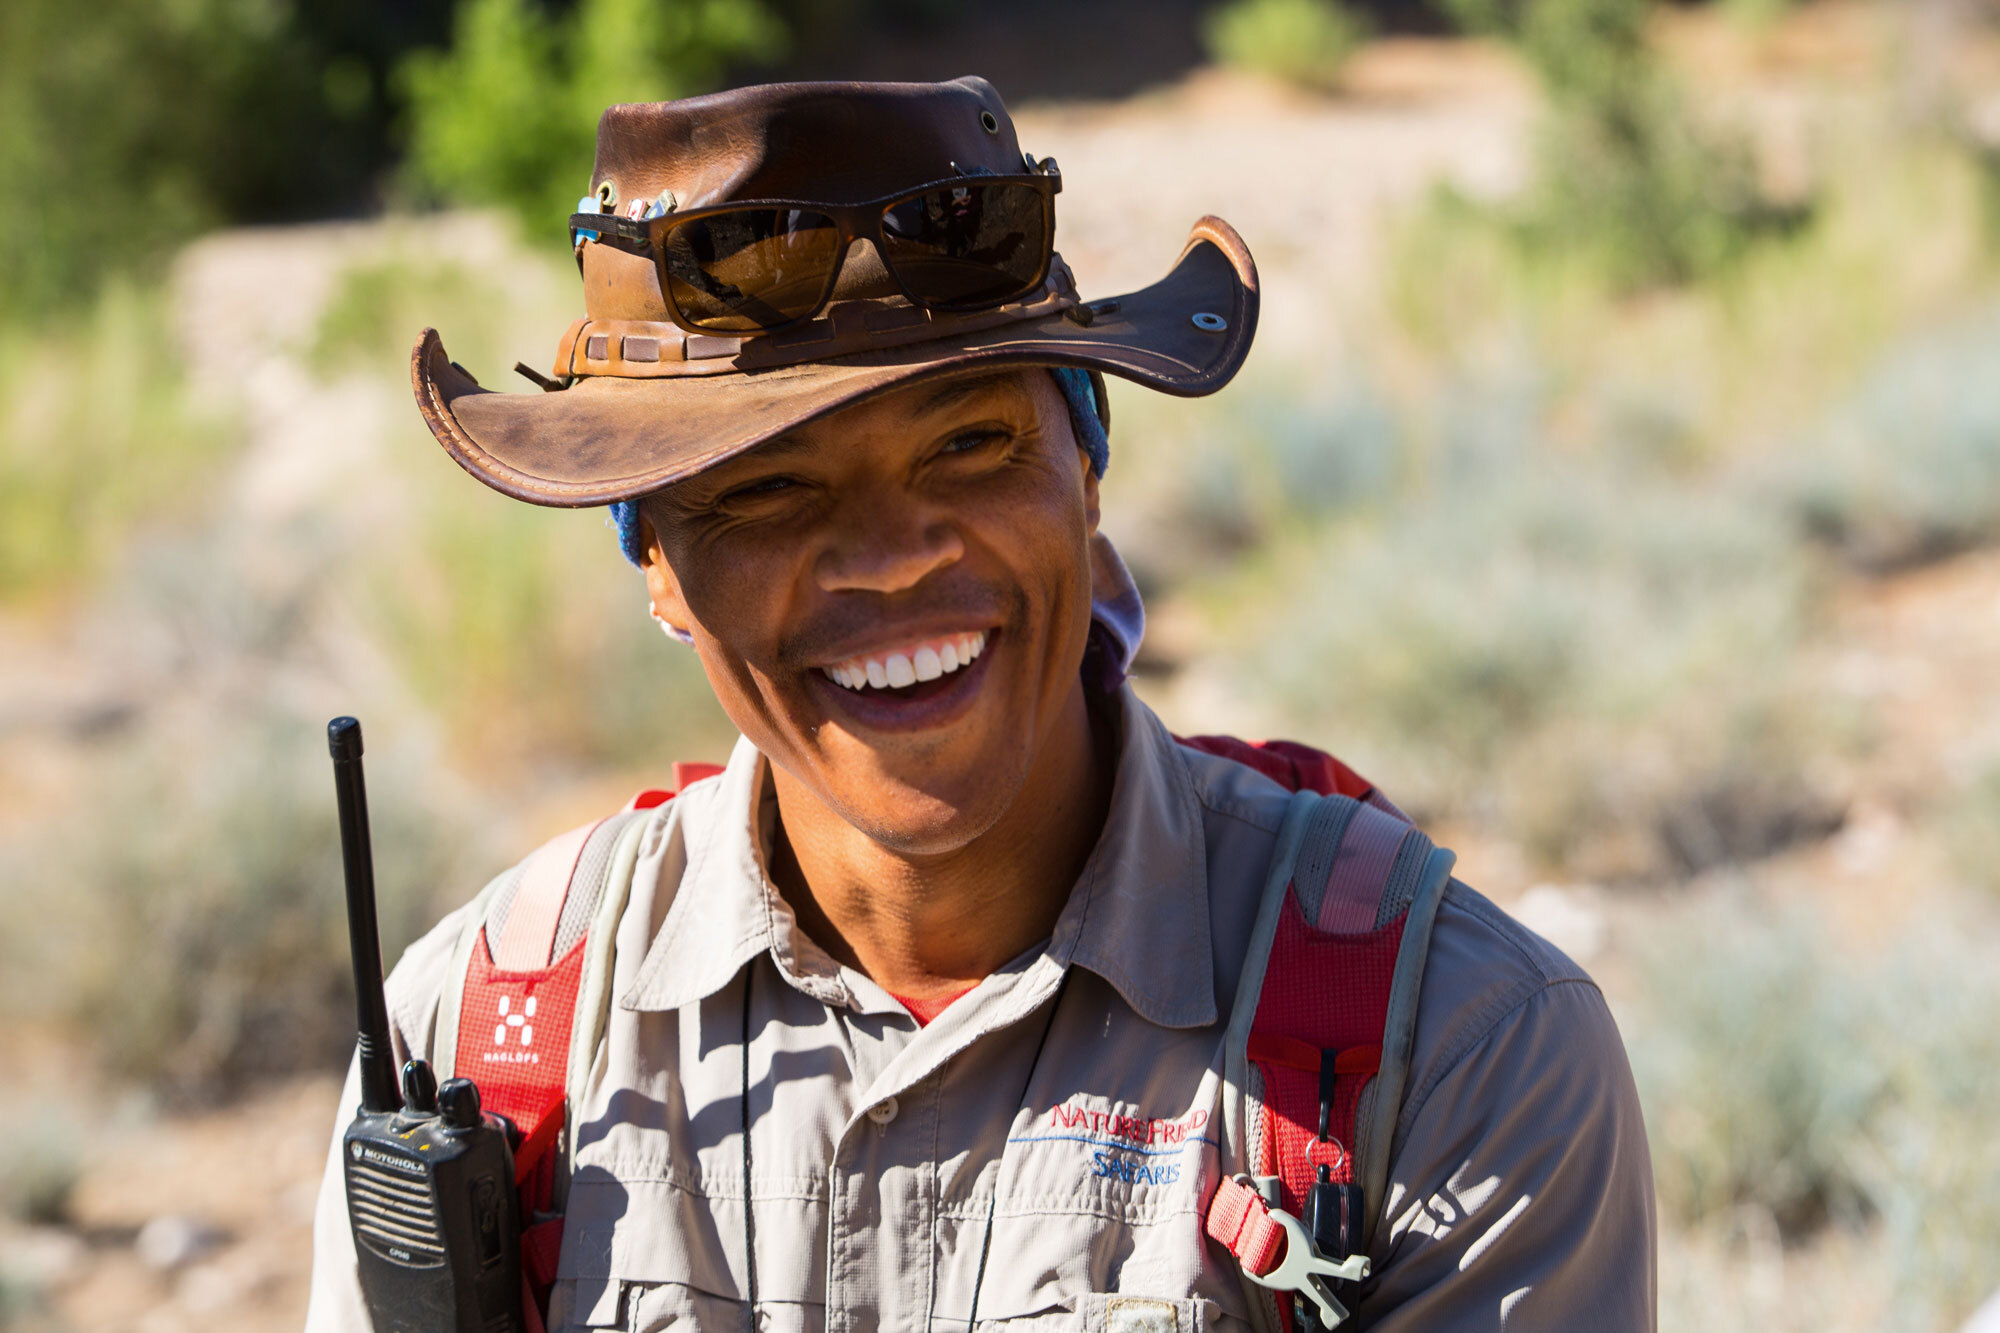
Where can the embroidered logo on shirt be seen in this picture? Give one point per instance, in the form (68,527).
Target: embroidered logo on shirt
(1136,1150)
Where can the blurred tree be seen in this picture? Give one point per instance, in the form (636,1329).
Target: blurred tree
(508,114)
(126,129)
(1306,42)
(1627,178)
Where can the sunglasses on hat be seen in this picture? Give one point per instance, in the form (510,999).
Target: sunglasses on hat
(753,267)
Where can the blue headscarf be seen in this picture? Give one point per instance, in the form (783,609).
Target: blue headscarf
(1083,420)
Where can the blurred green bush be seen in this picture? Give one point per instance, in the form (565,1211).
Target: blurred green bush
(1971,827)
(1304,42)
(1627,181)
(508,115)
(1907,470)
(1554,648)
(527,634)
(98,431)
(128,128)
(1821,1087)
(491,609)
(377,306)
(41,1159)
(192,919)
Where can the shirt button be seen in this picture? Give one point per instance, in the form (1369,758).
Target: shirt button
(884,1111)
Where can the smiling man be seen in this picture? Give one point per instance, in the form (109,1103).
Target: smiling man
(966,995)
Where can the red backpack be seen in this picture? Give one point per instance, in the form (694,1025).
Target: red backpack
(1318,1044)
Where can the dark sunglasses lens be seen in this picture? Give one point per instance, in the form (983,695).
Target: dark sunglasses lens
(751,269)
(963,246)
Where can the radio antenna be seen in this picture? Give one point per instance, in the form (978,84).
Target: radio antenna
(377,1060)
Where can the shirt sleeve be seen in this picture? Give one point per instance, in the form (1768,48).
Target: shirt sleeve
(1521,1195)
(334,1304)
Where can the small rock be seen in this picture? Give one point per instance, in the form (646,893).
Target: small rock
(170,1242)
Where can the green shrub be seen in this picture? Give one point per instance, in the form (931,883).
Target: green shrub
(1304,42)
(508,115)
(1627,183)
(1551,645)
(1971,827)
(190,921)
(98,433)
(526,631)
(1789,1079)
(1908,469)
(1202,483)
(377,306)
(126,129)
(1758,13)
(489,608)
(40,1164)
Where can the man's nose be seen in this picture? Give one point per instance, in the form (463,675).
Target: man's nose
(888,552)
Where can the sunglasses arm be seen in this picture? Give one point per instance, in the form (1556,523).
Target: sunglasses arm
(597,226)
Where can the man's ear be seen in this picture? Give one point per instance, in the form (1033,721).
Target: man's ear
(662,588)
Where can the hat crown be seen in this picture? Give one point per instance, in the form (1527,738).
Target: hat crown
(821,142)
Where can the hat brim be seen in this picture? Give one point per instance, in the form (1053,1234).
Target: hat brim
(606,439)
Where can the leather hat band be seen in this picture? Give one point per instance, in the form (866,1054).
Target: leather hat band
(656,349)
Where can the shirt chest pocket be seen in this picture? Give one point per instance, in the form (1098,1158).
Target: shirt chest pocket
(643,1255)
(1053,1265)
(1116,1312)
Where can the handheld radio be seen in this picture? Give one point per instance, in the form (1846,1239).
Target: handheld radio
(430,1178)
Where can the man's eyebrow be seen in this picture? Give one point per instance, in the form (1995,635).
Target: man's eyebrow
(947,393)
(778,446)
(943,394)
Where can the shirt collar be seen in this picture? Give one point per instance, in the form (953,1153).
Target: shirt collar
(1138,915)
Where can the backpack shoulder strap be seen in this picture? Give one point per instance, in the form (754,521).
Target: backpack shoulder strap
(593,1003)
(1318,1047)
(527,997)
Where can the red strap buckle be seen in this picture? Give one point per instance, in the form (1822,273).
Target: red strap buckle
(1274,1250)
(1241,1221)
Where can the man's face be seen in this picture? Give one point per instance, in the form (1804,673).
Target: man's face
(892,603)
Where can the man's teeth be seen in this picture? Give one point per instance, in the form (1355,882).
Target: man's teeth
(923,661)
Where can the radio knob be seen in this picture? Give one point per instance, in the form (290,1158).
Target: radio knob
(420,1089)
(459,1101)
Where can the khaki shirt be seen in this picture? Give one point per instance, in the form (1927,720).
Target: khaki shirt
(1045,1146)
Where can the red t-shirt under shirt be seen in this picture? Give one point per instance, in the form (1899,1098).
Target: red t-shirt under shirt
(925,1010)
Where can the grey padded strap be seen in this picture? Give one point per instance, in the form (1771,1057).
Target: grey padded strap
(1312,871)
(612,889)
(1375,1118)
(1304,861)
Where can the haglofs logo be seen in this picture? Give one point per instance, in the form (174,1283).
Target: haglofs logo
(521,1019)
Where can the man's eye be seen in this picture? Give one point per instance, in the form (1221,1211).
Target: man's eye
(768,486)
(970,441)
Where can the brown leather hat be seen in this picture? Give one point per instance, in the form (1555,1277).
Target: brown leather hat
(638,403)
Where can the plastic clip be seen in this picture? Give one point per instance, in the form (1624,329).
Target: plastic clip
(1305,1270)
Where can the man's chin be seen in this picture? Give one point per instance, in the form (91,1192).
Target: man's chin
(922,808)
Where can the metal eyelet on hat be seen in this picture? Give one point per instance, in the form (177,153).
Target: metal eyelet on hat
(1209,323)
(989,122)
